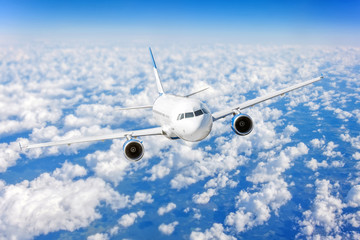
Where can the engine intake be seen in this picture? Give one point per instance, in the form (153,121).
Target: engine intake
(133,150)
(242,124)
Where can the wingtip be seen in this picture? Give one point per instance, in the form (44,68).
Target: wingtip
(322,76)
(22,147)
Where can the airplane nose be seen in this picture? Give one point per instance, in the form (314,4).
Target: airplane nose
(198,129)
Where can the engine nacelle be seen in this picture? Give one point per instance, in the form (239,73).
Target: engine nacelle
(133,150)
(242,124)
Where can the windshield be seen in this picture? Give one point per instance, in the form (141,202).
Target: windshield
(192,114)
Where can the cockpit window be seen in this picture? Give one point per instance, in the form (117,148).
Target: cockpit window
(189,115)
(205,111)
(198,112)
(180,116)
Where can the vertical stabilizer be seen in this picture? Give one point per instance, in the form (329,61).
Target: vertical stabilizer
(157,77)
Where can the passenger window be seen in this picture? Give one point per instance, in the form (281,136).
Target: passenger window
(182,116)
(205,111)
(178,118)
(189,115)
(198,112)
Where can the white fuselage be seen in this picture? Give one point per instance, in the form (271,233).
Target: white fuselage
(182,117)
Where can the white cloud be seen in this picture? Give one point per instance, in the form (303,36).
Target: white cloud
(196,211)
(142,197)
(313,164)
(213,185)
(353,196)
(158,172)
(124,222)
(99,236)
(168,229)
(354,220)
(221,181)
(68,172)
(357,166)
(313,106)
(341,114)
(216,232)
(22,109)
(356,112)
(129,219)
(9,154)
(356,156)
(91,114)
(166,209)
(204,197)
(54,202)
(110,165)
(337,164)
(354,141)
(325,210)
(316,143)
(195,164)
(329,150)
(254,209)
(276,165)
(114,230)
(326,219)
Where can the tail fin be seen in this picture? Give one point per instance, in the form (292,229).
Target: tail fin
(157,77)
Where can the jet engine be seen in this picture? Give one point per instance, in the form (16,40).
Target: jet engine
(133,150)
(242,124)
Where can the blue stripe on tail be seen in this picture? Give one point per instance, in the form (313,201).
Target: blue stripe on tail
(152,57)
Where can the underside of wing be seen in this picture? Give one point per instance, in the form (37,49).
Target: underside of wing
(130,134)
(220,114)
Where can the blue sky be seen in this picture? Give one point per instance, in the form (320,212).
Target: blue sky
(330,22)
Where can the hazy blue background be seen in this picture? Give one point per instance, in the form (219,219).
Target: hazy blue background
(279,22)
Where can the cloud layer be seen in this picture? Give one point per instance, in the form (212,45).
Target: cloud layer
(54,202)
(305,142)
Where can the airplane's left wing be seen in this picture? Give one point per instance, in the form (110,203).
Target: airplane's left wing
(223,113)
(130,134)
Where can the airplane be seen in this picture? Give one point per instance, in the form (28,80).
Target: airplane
(179,117)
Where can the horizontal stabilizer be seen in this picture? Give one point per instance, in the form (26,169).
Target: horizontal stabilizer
(132,108)
(191,94)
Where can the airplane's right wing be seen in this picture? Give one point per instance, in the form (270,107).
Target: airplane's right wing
(130,134)
(223,113)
